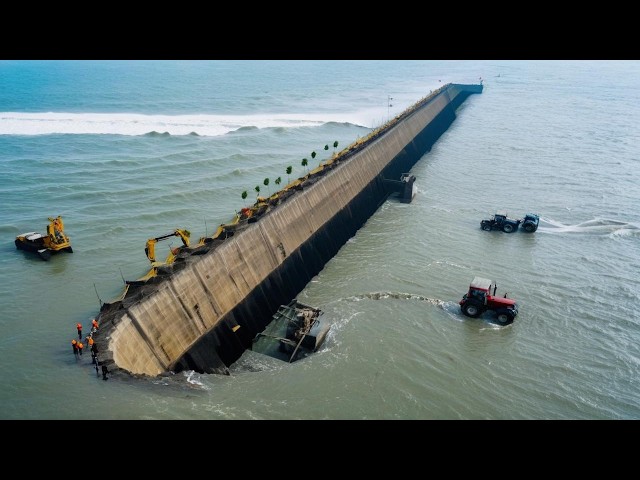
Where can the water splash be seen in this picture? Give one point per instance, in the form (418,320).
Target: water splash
(193,378)
(597,226)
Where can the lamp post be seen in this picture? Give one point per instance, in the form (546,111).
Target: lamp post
(389,105)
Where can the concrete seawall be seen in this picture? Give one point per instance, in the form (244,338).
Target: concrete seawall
(203,311)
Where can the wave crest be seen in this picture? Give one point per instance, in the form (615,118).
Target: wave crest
(133,124)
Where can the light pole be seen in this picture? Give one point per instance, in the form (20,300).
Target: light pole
(389,105)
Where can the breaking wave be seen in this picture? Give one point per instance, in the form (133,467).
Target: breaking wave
(133,124)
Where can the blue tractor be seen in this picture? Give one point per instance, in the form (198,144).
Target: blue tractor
(500,221)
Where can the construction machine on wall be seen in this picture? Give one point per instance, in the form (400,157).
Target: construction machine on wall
(150,247)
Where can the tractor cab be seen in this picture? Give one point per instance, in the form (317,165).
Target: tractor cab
(499,218)
(481,288)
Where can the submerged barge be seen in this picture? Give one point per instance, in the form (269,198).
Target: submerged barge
(202,310)
(295,331)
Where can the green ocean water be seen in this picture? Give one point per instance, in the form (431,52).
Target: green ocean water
(125,151)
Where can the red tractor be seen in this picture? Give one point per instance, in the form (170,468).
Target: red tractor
(481,297)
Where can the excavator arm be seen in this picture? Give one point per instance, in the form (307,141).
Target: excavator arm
(150,248)
(56,238)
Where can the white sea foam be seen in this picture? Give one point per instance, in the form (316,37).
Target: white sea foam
(45,123)
(596,226)
(194,378)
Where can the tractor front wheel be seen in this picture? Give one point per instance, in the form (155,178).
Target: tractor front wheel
(504,317)
(529,227)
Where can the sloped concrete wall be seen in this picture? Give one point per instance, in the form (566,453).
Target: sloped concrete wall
(204,314)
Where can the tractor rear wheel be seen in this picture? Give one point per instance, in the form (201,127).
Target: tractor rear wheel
(472,308)
(507,228)
(529,227)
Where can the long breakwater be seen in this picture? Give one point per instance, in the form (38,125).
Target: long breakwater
(201,308)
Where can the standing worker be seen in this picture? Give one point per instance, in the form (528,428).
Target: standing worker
(94,324)
(75,347)
(79,327)
(93,353)
(80,347)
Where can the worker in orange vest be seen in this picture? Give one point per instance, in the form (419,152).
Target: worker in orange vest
(75,347)
(79,327)
(80,347)
(94,324)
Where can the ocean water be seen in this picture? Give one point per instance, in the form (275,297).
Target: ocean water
(128,150)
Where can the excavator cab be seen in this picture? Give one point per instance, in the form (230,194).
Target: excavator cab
(150,248)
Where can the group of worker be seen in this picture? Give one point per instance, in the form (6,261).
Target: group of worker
(78,346)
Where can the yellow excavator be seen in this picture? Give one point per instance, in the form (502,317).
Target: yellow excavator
(150,251)
(54,241)
(150,248)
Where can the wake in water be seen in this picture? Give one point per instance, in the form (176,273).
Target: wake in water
(17,123)
(401,296)
(597,226)
(451,307)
